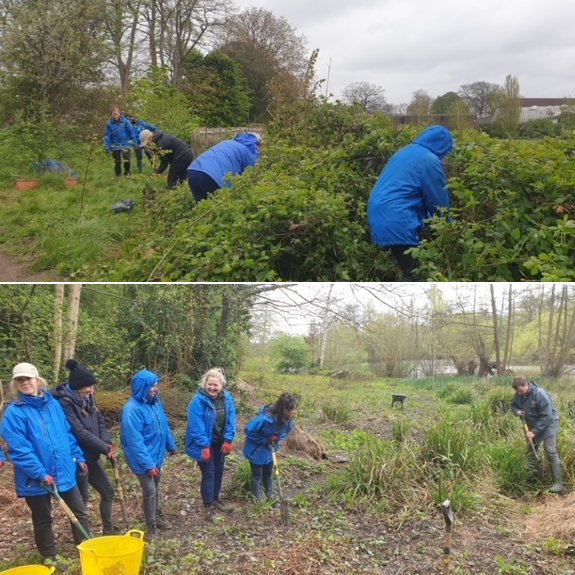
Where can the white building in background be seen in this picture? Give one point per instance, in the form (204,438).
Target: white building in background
(543,108)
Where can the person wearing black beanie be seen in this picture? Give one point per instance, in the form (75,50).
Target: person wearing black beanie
(77,400)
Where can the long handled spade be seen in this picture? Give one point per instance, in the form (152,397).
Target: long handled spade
(75,521)
(448,518)
(120,490)
(534,451)
(284,508)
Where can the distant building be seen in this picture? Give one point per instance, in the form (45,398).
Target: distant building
(544,108)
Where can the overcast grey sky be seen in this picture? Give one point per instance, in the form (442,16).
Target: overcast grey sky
(436,46)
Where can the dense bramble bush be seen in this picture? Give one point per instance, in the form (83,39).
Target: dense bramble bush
(300,214)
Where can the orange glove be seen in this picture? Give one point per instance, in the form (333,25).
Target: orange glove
(206,454)
(226,448)
(273,439)
(48,480)
(111,452)
(153,472)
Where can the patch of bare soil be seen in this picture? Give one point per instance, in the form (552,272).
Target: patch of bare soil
(13,271)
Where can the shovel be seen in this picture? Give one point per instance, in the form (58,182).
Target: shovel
(284,508)
(70,514)
(120,489)
(533,450)
(447,513)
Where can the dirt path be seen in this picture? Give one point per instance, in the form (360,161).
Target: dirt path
(13,271)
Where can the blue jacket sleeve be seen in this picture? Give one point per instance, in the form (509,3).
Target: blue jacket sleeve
(230,429)
(254,431)
(197,434)
(434,188)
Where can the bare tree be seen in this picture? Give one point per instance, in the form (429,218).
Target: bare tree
(58,323)
(420,105)
(370,97)
(73,314)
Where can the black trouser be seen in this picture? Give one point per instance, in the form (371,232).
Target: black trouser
(118,155)
(201,185)
(406,262)
(139,157)
(41,508)
(178,171)
(97,478)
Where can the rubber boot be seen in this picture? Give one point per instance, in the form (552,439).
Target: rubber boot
(127,168)
(557,477)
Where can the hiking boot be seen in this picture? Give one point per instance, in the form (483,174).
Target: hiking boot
(221,506)
(162,523)
(113,530)
(210,513)
(151,531)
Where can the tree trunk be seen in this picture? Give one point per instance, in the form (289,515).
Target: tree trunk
(496,343)
(324,330)
(73,312)
(58,304)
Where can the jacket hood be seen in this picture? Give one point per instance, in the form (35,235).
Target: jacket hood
(264,411)
(250,140)
(142,382)
(436,139)
(63,391)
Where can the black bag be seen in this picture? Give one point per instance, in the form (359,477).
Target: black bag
(123,206)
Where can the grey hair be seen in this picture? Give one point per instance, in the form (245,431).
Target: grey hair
(258,137)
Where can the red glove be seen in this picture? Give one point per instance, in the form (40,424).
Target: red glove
(48,480)
(273,439)
(153,472)
(83,468)
(111,452)
(206,454)
(226,448)
(1,464)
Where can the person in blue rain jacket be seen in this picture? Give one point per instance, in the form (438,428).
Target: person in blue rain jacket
(146,437)
(209,436)
(44,453)
(208,171)
(119,137)
(265,432)
(139,125)
(410,189)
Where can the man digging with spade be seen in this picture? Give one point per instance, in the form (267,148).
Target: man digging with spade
(535,405)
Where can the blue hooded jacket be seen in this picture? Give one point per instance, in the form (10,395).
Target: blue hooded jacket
(145,432)
(201,421)
(228,157)
(410,189)
(258,432)
(40,442)
(119,135)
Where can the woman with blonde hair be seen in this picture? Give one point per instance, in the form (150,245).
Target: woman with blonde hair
(210,435)
(44,453)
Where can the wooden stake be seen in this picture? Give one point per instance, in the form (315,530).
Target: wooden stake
(448,518)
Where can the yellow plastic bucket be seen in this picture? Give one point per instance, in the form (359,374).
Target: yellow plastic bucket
(29,570)
(112,554)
